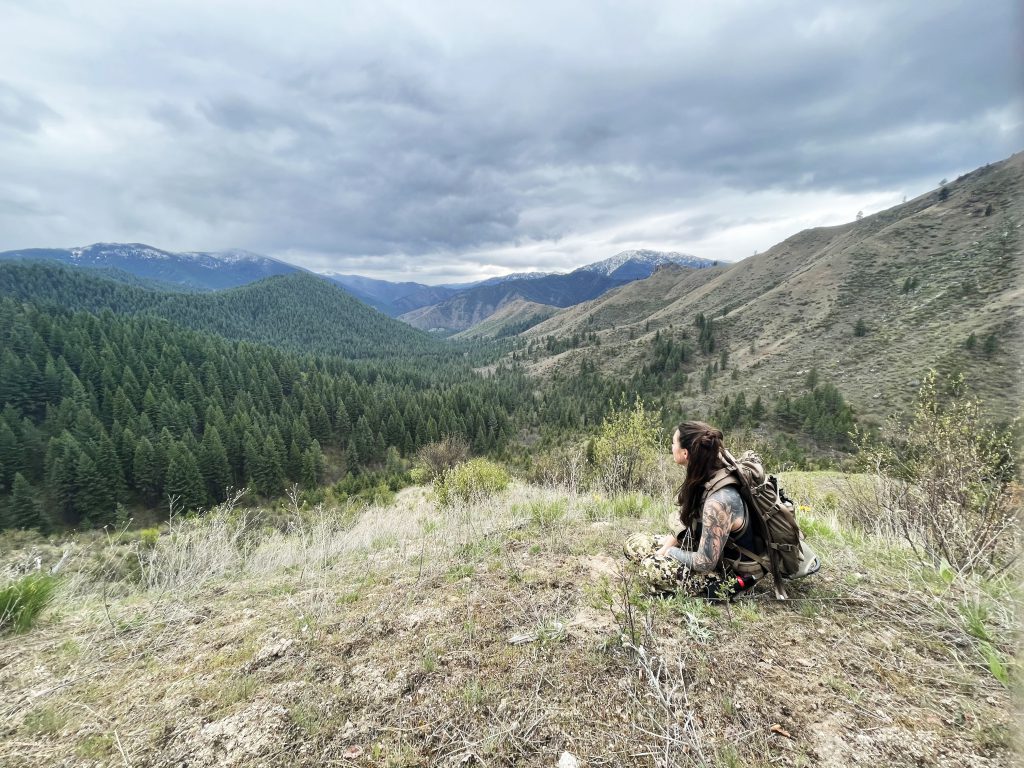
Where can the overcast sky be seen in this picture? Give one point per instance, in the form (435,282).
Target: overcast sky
(447,141)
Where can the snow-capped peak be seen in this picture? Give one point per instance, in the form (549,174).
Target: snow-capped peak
(648,258)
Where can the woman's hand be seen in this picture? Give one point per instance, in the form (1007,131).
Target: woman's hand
(667,542)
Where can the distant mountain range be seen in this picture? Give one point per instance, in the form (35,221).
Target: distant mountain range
(475,304)
(193,270)
(444,308)
(390,298)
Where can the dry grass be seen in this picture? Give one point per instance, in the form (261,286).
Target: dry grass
(384,640)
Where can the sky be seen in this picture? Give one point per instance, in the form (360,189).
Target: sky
(452,141)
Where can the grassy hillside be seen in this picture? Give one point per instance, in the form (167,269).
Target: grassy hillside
(921,278)
(504,632)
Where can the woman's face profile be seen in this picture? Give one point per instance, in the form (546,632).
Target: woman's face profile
(679,454)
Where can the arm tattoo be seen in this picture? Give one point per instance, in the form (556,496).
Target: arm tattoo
(718,518)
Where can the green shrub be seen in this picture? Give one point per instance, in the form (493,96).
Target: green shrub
(442,455)
(148,537)
(945,480)
(469,481)
(627,446)
(22,601)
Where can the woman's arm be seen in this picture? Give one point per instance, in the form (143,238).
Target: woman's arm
(718,518)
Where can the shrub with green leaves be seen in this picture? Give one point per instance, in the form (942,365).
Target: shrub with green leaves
(438,457)
(626,448)
(945,480)
(23,600)
(470,481)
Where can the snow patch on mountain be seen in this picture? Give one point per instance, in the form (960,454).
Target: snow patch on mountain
(646,258)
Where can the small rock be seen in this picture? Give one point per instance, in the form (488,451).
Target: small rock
(568,760)
(268,654)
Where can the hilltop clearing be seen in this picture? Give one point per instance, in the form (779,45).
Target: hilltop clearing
(502,632)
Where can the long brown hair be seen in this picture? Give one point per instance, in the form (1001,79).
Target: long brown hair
(704,444)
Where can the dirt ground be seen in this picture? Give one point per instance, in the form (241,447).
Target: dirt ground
(502,641)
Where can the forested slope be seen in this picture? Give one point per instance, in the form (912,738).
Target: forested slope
(102,409)
(299,312)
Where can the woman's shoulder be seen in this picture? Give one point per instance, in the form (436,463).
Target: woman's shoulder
(729,496)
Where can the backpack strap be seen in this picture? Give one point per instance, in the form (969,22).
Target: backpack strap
(761,560)
(721,479)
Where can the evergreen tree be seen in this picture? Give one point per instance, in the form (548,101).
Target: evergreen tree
(24,509)
(312,465)
(95,499)
(11,457)
(184,480)
(213,464)
(146,472)
(61,483)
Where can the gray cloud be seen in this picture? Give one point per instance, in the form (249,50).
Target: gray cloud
(440,142)
(20,112)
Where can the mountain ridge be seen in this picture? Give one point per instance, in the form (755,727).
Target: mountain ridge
(474,305)
(299,312)
(922,277)
(201,270)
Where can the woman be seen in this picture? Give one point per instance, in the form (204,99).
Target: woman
(718,521)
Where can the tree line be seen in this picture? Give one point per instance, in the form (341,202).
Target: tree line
(101,409)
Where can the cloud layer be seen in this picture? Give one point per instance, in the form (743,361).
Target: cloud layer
(452,140)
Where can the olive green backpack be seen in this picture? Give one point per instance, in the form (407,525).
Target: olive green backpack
(774,516)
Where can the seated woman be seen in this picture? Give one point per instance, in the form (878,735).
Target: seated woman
(718,522)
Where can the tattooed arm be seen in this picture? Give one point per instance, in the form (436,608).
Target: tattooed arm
(719,516)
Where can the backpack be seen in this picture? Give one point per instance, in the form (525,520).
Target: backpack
(774,516)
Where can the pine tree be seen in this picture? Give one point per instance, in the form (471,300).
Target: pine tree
(213,464)
(11,457)
(61,484)
(95,499)
(184,480)
(24,508)
(312,465)
(145,471)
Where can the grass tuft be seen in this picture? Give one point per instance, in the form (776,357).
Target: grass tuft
(23,600)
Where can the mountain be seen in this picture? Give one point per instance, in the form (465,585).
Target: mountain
(474,305)
(501,279)
(639,264)
(511,319)
(471,306)
(392,298)
(299,312)
(871,305)
(195,270)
